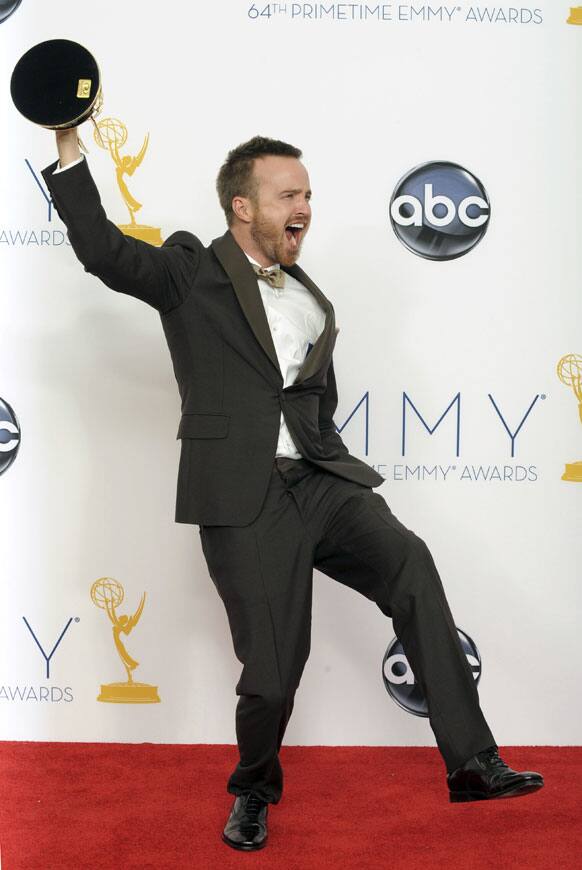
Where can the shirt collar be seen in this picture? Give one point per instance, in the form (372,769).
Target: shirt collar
(274,266)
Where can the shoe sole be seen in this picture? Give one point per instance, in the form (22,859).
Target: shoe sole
(511,791)
(243,848)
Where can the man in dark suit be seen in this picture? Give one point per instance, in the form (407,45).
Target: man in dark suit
(264,472)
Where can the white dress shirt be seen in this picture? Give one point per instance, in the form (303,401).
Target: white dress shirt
(296,320)
(68,166)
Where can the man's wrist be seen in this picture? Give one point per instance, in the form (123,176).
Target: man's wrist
(64,168)
(68,146)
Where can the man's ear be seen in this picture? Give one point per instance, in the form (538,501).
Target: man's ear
(242,208)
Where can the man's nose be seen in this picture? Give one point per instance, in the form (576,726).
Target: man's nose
(304,209)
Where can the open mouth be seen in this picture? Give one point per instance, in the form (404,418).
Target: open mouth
(293,234)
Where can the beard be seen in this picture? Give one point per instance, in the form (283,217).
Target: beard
(272,241)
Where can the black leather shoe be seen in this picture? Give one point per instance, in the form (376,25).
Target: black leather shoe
(246,827)
(486,776)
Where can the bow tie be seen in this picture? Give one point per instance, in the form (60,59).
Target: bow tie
(274,277)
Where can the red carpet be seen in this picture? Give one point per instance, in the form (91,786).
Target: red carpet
(67,806)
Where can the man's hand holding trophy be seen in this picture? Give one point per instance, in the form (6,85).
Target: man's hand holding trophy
(57,85)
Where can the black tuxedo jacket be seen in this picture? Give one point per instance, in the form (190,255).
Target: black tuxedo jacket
(223,356)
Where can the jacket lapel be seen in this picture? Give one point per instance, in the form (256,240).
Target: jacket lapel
(236,265)
(234,262)
(322,349)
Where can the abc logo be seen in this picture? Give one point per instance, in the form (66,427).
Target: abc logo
(440,211)
(401,684)
(7,7)
(9,436)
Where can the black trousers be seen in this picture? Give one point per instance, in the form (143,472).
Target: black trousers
(264,572)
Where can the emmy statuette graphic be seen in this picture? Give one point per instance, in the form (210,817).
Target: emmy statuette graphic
(575,15)
(108,594)
(570,373)
(112,134)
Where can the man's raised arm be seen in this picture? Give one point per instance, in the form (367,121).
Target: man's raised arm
(161,277)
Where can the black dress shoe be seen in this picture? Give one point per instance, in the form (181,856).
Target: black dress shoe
(486,776)
(246,827)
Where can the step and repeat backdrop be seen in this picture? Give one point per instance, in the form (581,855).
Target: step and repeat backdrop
(443,143)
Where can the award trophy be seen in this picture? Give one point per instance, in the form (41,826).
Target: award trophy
(57,85)
(108,594)
(570,373)
(575,15)
(112,134)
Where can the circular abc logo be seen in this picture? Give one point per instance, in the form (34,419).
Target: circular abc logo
(401,684)
(440,211)
(7,7)
(9,436)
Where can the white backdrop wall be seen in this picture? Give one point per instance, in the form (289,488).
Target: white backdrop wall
(91,492)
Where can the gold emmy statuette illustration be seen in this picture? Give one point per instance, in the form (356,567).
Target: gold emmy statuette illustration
(113,135)
(570,373)
(108,594)
(575,15)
